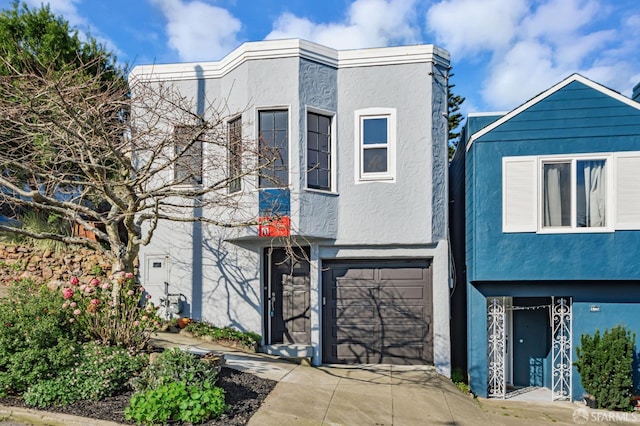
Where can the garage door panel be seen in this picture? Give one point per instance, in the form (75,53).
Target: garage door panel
(378,312)
(357,332)
(401,274)
(355,353)
(401,293)
(364,292)
(409,313)
(342,274)
(354,311)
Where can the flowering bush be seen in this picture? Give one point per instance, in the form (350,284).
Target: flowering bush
(115,312)
(97,372)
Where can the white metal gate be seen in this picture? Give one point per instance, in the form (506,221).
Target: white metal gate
(496,338)
(561,349)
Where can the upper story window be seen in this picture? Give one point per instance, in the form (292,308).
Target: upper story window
(187,166)
(574,193)
(273,127)
(376,142)
(571,193)
(318,151)
(234,140)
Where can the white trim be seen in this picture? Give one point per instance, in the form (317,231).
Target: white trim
(256,131)
(289,48)
(333,185)
(574,77)
(391,115)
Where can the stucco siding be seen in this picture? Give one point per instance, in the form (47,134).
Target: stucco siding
(378,212)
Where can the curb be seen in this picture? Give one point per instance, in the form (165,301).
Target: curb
(20,415)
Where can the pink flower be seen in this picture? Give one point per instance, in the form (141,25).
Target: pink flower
(65,305)
(73,304)
(74,281)
(148,296)
(67,293)
(94,282)
(136,323)
(88,290)
(77,312)
(71,320)
(128,275)
(95,302)
(106,286)
(82,287)
(144,318)
(130,293)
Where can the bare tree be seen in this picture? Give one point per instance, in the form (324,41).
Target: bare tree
(114,159)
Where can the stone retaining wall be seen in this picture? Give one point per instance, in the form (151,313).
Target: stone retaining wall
(42,266)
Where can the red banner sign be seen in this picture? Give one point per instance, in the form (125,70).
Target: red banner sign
(274,227)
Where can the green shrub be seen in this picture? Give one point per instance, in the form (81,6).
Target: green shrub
(201,328)
(97,372)
(174,365)
(36,340)
(176,401)
(605,367)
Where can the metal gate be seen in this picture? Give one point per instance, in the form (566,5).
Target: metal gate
(561,365)
(496,320)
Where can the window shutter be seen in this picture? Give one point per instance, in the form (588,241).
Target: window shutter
(627,190)
(519,194)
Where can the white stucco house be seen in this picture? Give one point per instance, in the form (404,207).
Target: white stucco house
(361,187)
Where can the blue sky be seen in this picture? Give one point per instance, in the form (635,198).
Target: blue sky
(503,51)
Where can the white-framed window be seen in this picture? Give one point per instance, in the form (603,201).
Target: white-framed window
(575,194)
(375,131)
(596,192)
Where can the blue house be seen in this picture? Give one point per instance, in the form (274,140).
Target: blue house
(545,212)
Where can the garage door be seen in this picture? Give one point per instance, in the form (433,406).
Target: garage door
(378,313)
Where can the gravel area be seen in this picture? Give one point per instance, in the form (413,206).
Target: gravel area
(244,392)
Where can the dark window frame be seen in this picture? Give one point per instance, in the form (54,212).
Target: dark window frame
(234,160)
(319,134)
(187,145)
(273,146)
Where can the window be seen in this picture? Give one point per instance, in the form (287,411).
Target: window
(188,155)
(574,194)
(274,148)
(318,151)
(571,193)
(235,154)
(375,133)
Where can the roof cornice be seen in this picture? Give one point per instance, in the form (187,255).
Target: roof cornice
(291,48)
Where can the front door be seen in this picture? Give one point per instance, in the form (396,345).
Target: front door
(287,287)
(531,340)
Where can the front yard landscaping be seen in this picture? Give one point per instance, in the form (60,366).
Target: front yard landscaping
(82,348)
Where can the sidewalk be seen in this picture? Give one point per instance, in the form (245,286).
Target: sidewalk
(353,395)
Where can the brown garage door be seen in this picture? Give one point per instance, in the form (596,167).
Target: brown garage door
(378,312)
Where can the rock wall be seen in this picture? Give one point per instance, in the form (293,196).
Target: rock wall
(43,266)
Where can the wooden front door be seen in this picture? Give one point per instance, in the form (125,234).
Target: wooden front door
(288,311)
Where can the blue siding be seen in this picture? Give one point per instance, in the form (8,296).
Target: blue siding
(619,304)
(593,268)
(519,256)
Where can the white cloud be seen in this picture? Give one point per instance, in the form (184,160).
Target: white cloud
(368,23)
(199,31)
(533,44)
(466,26)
